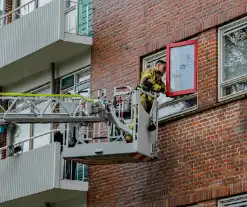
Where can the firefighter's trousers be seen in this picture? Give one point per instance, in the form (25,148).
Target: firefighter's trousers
(147,103)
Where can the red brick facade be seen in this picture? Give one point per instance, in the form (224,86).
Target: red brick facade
(9,5)
(203,154)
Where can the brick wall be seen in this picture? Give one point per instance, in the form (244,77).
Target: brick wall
(202,155)
(9,4)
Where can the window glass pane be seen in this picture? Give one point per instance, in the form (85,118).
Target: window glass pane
(67,82)
(22,132)
(27,8)
(178,107)
(182,68)
(1,12)
(70,3)
(2,4)
(69,91)
(82,172)
(1,7)
(71,19)
(40,129)
(43,2)
(84,88)
(81,77)
(235,54)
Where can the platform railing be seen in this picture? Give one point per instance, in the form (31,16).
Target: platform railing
(18,12)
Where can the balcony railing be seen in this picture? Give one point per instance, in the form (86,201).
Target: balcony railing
(72,170)
(78,15)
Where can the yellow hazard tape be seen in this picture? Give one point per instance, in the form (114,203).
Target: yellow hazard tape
(48,95)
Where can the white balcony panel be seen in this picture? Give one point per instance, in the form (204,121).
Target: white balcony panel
(32,32)
(29,173)
(34,177)
(46,35)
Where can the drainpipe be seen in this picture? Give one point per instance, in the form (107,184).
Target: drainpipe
(53,91)
(53,78)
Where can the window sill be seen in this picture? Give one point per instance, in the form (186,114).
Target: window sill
(196,110)
(178,115)
(233,96)
(176,101)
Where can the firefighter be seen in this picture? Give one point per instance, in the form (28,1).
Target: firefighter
(151,80)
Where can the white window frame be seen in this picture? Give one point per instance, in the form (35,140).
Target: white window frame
(162,55)
(234,201)
(228,28)
(75,84)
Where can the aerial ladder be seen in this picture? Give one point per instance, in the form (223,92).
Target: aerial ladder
(99,127)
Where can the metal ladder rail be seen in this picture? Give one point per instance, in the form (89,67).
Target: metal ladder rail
(72,108)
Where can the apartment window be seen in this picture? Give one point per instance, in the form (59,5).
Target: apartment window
(75,83)
(232,59)
(236,201)
(179,78)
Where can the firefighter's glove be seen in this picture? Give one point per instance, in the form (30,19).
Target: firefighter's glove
(157,88)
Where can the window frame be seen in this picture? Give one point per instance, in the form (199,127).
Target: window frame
(83,70)
(168,52)
(223,30)
(162,55)
(225,202)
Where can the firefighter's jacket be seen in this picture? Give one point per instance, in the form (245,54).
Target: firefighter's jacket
(151,79)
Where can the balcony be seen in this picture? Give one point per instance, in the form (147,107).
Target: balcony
(41,34)
(38,176)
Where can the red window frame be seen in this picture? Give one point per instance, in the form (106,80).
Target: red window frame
(168,48)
